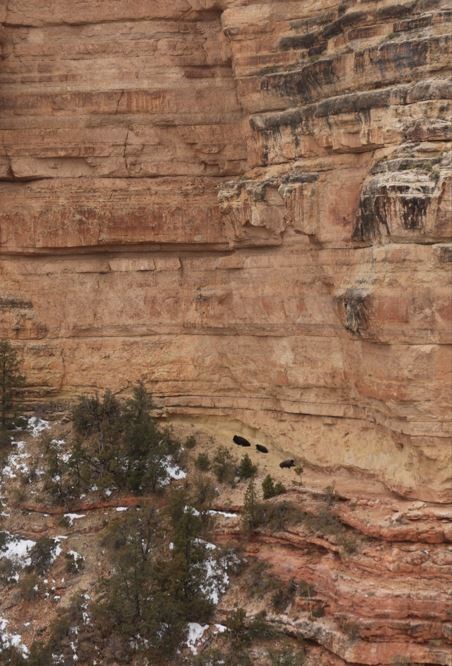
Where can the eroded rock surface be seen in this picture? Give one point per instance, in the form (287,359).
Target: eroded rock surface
(243,203)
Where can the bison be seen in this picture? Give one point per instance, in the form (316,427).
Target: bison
(240,441)
(261,448)
(287,464)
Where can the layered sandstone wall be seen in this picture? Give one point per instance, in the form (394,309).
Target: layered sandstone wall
(243,203)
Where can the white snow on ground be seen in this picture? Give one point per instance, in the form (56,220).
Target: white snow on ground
(76,556)
(16,463)
(207,544)
(195,633)
(85,614)
(10,640)
(225,514)
(216,579)
(121,508)
(36,426)
(57,550)
(70,517)
(17,550)
(172,470)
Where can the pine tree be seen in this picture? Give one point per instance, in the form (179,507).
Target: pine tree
(271,489)
(250,508)
(268,487)
(246,468)
(11,381)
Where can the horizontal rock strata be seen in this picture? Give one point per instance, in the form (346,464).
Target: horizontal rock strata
(245,204)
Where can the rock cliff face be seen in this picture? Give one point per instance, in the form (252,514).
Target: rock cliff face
(243,203)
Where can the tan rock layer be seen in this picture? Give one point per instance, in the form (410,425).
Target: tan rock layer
(121,128)
(246,204)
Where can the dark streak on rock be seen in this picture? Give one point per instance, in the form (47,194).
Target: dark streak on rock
(414,210)
(356,311)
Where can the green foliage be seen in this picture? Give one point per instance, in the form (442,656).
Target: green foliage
(250,512)
(117,445)
(259,581)
(203,492)
(72,630)
(210,657)
(4,538)
(30,586)
(11,381)
(318,611)
(190,442)
(272,489)
(330,495)
(202,462)
(246,469)
(133,601)
(274,516)
(58,479)
(159,575)
(75,563)
(41,555)
(7,571)
(279,516)
(12,656)
(224,466)
(241,631)
(155,589)
(324,521)
(189,554)
(287,657)
(284,596)
(328,524)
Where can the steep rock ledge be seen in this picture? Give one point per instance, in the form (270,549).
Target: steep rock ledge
(246,205)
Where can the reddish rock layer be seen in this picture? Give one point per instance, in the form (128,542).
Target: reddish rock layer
(244,203)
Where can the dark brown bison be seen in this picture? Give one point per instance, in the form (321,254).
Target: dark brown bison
(240,441)
(287,464)
(261,448)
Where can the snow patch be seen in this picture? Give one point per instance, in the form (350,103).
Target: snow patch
(207,544)
(8,640)
(195,634)
(36,426)
(17,550)
(70,517)
(216,566)
(173,471)
(75,555)
(225,514)
(16,463)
